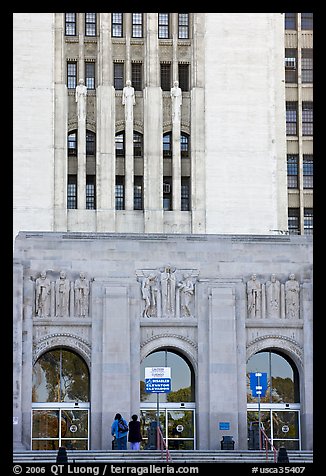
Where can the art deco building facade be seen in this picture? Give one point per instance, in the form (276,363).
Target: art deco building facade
(162,213)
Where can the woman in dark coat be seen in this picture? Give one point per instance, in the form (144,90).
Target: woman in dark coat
(134,435)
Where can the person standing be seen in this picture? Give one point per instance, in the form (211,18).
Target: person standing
(134,435)
(119,434)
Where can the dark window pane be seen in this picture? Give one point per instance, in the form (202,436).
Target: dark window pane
(291,117)
(72,192)
(306,21)
(293,221)
(90,192)
(290,21)
(138,145)
(184,76)
(307,65)
(90,75)
(72,143)
(292,170)
(308,171)
(119,193)
(120,145)
(307,118)
(166,76)
(136,76)
(167,145)
(118,75)
(138,193)
(184,145)
(185,194)
(90,143)
(308,221)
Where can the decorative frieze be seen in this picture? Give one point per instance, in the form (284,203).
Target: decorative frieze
(63,297)
(168,292)
(273,299)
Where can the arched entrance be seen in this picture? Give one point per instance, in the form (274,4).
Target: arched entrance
(176,408)
(60,401)
(280,407)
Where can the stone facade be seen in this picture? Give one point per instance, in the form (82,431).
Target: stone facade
(212,327)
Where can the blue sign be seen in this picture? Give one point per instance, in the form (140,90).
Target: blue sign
(224,425)
(157,385)
(258,383)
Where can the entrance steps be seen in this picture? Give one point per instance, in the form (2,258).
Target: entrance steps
(157,456)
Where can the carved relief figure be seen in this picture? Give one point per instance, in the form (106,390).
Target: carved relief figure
(176,95)
(187,290)
(128,99)
(80,98)
(254,297)
(81,295)
(273,297)
(62,295)
(149,294)
(292,290)
(168,286)
(42,295)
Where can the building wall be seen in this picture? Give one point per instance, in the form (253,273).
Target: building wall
(244,123)
(33,121)
(217,337)
(234,113)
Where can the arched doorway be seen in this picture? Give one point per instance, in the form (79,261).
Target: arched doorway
(279,409)
(60,401)
(176,408)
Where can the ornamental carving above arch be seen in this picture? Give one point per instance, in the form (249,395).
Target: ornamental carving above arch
(174,341)
(60,339)
(290,346)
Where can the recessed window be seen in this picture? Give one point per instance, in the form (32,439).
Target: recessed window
(294,221)
(306,21)
(167,193)
(119,192)
(70,24)
(90,192)
(90,75)
(185,146)
(118,71)
(138,144)
(184,76)
(120,145)
(167,145)
(185,194)
(137,76)
(166,76)
(307,65)
(290,21)
(183,25)
(308,221)
(290,63)
(137,25)
(307,118)
(71,75)
(90,24)
(138,193)
(117,25)
(72,192)
(308,170)
(292,170)
(90,143)
(291,118)
(72,143)
(164,25)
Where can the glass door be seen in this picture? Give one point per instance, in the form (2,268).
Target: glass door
(177,425)
(55,426)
